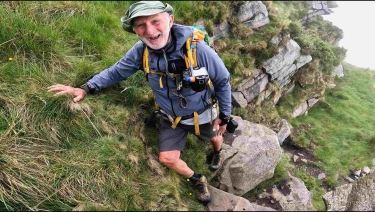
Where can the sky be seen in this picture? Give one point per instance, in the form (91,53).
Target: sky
(357,20)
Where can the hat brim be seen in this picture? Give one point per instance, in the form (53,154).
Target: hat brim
(127,22)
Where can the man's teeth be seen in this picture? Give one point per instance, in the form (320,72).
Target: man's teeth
(155,37)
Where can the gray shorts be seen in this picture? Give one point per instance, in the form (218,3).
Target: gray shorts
(175,139)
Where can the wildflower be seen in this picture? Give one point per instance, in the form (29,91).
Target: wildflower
(10,59)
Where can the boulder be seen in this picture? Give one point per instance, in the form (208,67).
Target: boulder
(257,154)
(223,201)
(336,200)
(284,132)
(238,99)
(253,13)
(298,199)
(359,196)
(362,196)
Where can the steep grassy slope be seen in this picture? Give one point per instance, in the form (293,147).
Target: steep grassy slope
(56,155)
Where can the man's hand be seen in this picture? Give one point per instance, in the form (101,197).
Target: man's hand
(221,129)
(78,93)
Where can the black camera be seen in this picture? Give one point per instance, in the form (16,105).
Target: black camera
(232,125)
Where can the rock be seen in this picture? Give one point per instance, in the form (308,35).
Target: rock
(350,180)
(272,201)
(263,195)
(362,196)
(356,172)
(302,60)
(238,99)
(223,201)
(300,154)
(299,199)
(359,196)
(336,200)
(284,132)
(253,13)
(295,158)
(304,160)
(256,146)
(253,86)
(339,71)
(321,176)
(312,102)
(300,109)
(366,170)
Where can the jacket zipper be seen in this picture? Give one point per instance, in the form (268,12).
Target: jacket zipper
(166,80)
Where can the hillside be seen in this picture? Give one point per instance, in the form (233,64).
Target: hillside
(100,155)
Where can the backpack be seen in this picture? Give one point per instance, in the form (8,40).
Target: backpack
(187,78)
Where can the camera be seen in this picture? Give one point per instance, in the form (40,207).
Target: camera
(232,125)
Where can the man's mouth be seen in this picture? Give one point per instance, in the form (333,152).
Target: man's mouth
(152,38)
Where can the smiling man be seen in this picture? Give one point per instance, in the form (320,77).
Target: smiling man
(185,103)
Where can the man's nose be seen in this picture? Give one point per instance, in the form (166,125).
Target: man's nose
(149,29)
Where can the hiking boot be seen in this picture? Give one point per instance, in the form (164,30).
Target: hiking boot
(217,160)
(202,190)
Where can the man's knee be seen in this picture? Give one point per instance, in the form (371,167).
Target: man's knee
(169,158)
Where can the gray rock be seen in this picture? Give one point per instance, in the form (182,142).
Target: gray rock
(252,87)
(295,158)
(299,199)
(312,102)
(339,71)
(366,170)
(285,57)
(302,60)
(300,154)
(223,201)
(336,200)
(359,196)
(362,196)
(253,13)
(304,160)
(257,146)
(238,99)
(284,132)
(321,176)
(300,109)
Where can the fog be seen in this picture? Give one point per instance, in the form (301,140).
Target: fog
(357,20)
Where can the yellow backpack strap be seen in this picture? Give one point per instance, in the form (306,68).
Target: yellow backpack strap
(196,123)
(176,121)
(146,67)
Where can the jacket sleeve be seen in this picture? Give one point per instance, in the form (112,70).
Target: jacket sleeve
(124,68)
(218,74)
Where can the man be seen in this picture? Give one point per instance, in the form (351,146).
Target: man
(165,41)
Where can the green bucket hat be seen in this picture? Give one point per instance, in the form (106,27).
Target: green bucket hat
(143,8)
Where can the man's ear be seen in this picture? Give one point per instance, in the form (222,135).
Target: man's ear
(171,20)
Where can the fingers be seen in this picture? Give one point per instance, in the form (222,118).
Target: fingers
(78,98)
(57,87)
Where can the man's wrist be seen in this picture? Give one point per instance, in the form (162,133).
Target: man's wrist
(224,119)
(88,89)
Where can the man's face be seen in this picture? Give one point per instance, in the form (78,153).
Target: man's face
(154,30)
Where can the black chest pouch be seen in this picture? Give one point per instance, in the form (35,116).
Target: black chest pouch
(197,79)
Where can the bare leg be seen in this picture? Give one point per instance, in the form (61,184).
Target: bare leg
(171,159)
(216,142)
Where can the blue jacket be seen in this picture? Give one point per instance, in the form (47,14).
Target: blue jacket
(206,57)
